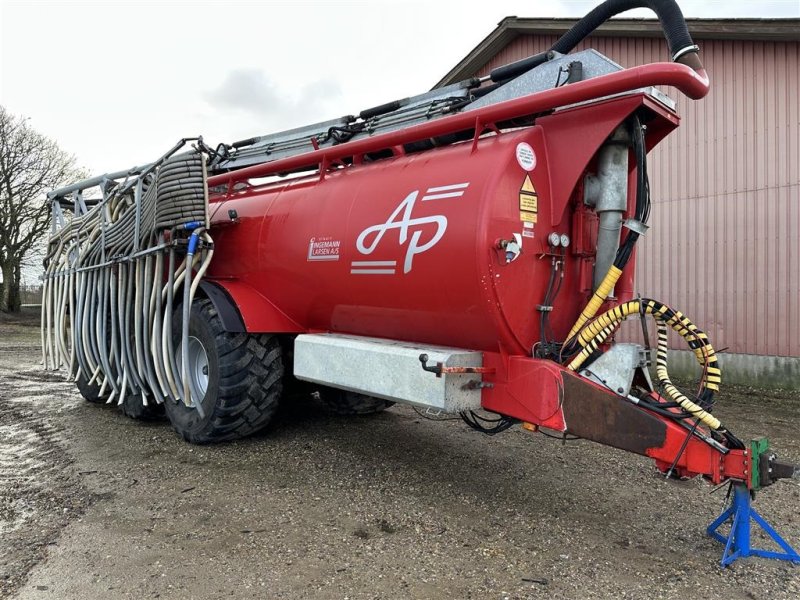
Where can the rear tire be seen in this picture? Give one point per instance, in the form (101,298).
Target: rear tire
(90,392)
(345,403)
(243,380)
(134,408)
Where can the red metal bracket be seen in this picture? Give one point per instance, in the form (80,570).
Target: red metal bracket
(480,128)
(546,394)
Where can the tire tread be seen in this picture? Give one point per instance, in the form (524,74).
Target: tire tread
(250,382)
(350,403)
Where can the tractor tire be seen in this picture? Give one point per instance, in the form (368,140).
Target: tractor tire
(90,392)
(134,408)
(345,403)
(238,377)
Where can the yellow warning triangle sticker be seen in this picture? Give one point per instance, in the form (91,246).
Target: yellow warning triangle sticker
(527,186)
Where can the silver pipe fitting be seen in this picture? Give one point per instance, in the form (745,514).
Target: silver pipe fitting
(607,192)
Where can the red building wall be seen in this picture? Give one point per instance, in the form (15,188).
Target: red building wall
(724,246)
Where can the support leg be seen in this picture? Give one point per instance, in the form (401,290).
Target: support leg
(738,542)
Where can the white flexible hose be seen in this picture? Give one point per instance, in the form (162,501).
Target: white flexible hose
(104,312)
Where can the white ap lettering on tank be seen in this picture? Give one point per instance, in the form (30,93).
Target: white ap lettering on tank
(411,231)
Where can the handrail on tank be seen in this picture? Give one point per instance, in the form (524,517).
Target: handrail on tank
(694,84)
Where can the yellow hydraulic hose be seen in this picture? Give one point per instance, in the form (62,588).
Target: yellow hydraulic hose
(594,334)
(673,392)
(600,295)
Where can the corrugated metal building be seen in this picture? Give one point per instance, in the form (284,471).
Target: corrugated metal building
(725,241)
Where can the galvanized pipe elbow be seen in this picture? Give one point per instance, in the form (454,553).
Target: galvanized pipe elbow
(607,192)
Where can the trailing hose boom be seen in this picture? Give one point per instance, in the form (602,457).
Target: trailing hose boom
(470,248)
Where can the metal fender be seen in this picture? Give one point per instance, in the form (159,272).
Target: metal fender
(243,309)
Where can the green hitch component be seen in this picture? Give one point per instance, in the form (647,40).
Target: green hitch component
(759,447)
(765,468)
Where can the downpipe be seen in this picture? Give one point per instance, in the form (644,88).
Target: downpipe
(607,193)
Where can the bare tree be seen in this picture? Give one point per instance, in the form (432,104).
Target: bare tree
(30,165)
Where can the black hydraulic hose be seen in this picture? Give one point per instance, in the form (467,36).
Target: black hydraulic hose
(511,70)
(642,209)
(681,46)
(640,155)
(382,109)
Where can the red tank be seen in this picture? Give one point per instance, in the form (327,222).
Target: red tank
(411,247)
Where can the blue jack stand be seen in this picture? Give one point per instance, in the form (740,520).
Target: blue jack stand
(737,544)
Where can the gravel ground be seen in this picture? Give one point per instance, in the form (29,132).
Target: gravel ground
(95,505)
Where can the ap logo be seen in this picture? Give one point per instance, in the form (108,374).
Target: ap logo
(411,232)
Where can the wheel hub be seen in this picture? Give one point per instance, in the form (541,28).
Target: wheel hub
(197,370)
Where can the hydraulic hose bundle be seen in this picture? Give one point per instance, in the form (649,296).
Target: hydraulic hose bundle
(599,330)
(115,274)
(587,335)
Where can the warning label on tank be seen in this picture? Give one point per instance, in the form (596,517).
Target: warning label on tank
(528,202)
(323,248)
(526,157)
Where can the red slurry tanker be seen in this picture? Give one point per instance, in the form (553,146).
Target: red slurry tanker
(467,250)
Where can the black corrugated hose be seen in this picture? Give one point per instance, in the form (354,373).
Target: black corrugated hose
(669,15)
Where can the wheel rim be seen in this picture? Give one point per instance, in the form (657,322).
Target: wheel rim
(197,370)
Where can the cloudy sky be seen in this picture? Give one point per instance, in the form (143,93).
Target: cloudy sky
(117,83)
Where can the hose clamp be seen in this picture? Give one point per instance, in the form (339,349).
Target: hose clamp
(193,242)
(636,226)
(686,50)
